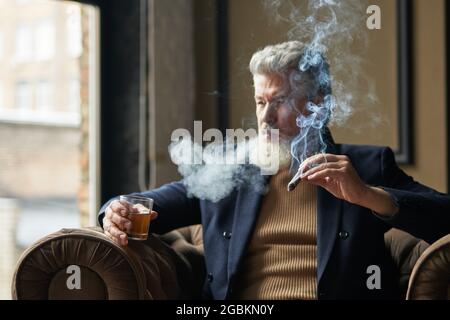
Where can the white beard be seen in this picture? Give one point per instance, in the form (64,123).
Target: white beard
(269,155)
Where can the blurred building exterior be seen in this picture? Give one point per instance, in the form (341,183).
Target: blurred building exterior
(43,123)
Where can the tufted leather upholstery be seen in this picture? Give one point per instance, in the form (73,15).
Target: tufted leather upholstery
(171,266)
(430,278)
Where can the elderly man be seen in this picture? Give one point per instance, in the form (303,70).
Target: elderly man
(316,242)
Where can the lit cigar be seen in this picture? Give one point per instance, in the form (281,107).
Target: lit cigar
(294,181)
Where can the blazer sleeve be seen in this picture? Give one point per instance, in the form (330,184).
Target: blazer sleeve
(175,208)
(423,211)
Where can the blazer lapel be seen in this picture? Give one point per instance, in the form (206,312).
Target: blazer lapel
(248,204)
(328,218)
(247,208)
(329,210)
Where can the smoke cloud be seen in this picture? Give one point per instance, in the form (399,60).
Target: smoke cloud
(213,172)
(328,28)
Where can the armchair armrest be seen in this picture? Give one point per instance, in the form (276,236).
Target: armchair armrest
(405,251)
(430,278)
(149,269)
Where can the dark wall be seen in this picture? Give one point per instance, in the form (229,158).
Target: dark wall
(120,77)
(120,65)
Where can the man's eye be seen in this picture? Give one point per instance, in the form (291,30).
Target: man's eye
(260,104)
(281,100)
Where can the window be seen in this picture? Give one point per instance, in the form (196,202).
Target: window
(24,43)
(73,29)
(74,96)
(45,40)
(1,46)
(23,96)
(2,102)
(44,95)
(49,152)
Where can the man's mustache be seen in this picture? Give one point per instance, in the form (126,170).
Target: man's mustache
(283,138)
(269,127)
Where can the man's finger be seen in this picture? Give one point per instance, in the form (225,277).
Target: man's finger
(115,232)
(119,236)
(121,222)
(104,221)
(108,213)
(109,235)
(323,156)
(110,229)
(313,161)
(123,241)
(119,207)
(325,173)
(154,215)
(320,182)
(320,167)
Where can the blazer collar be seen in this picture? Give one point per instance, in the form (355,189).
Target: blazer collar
(329,141)
(329,211)
(247,208)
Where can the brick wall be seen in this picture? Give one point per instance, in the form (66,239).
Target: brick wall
(39,161)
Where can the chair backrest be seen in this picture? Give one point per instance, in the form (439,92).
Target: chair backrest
(172,266)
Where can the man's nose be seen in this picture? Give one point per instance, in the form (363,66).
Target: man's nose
(270,114)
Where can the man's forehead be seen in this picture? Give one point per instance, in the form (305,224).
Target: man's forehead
(269,85)
(272,78)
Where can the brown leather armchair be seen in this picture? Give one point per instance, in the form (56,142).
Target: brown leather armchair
(171,266)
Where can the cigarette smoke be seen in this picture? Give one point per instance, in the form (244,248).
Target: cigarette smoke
(213,172)
(328,28)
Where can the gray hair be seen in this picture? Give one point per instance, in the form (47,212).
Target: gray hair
(294,60)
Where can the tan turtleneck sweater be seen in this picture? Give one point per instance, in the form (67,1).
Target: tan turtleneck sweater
(281,262)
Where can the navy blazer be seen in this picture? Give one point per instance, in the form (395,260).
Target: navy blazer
(350,238)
